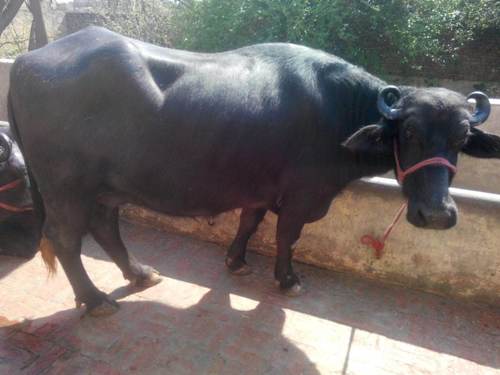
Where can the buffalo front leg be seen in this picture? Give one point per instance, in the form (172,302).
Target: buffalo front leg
(235,258)
(104,227)
(287,234)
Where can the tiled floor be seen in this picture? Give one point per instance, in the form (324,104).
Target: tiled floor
(201,320)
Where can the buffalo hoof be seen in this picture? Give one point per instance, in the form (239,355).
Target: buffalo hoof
(106,308)
(238,267)
(290,286)
(143,276)
(242,271)
(294,291)
(150,277)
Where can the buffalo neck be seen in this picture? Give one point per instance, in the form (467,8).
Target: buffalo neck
(366,113)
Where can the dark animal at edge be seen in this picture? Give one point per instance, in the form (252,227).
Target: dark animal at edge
(104,120)
(19,229)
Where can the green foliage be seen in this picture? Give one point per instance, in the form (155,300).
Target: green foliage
(437,29)
(362,31)
(146,20)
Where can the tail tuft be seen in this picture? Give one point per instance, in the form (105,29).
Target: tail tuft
(48,256)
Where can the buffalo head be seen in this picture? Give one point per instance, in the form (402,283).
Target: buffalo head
(432,125)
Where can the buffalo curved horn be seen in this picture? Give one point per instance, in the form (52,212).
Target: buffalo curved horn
(385,110)
(483,108)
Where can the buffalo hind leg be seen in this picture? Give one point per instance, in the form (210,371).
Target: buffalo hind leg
(104,227)
(63,237)
(287,234)
(250,219)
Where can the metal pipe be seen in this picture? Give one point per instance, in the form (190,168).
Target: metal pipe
(455,192)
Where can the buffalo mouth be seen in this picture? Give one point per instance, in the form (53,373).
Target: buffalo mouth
(433,216)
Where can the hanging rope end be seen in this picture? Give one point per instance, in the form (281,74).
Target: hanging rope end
(374,243)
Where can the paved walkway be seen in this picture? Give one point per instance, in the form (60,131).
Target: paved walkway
(201,320)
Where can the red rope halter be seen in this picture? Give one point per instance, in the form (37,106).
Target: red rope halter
(8,207)
(379,244)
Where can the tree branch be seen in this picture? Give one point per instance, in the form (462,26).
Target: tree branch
(9,13)
(38,33)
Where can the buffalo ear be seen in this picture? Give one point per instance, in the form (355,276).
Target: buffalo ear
(482,145)
(371,139)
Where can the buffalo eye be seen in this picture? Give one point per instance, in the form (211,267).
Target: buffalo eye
(460,141)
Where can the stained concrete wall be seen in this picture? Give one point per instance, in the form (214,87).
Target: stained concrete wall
(462,262)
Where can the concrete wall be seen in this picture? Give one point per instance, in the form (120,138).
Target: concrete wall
(4,87)
(462,262)
(491,88)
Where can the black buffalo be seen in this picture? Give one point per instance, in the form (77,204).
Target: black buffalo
(104,120)
(19,228)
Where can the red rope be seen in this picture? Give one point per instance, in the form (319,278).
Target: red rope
(10,185)
(401,173)
(375,243)
(8,207)
(379,244)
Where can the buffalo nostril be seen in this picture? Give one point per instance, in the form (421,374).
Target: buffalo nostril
(439,219)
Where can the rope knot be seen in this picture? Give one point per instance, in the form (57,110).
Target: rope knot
(374,243)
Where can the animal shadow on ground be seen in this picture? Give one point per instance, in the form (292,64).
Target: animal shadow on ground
(151,337)
(9,264)
(198,330)
(461,329)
